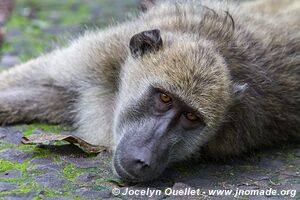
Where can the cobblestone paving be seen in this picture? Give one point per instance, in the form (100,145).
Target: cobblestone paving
(62,171)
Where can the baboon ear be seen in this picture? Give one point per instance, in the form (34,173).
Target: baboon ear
(146,41)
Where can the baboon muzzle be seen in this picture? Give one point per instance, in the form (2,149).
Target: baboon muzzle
(142,156)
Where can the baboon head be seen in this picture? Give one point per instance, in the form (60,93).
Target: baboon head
(173,94)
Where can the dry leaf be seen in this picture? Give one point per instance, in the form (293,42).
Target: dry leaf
(46,138)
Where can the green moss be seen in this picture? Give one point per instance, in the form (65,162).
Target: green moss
(24,187)
(28,148)
(50,193)
(117,182)
(274,180)
(17,191)
(71,172)
(4,145)
(30,128)
(38,152)
(242,198)
(291,158)
(248,168)
(6,165)
(27,184)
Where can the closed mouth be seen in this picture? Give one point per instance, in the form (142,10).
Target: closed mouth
(121,171)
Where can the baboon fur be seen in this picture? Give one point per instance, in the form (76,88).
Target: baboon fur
(237,65)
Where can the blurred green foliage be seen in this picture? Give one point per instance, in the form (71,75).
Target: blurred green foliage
(37,26)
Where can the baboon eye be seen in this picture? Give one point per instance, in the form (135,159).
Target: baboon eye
(165,98)
(191,116)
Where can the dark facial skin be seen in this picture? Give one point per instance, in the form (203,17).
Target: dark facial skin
(151,133)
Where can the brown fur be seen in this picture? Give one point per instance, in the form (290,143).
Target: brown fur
(240,69)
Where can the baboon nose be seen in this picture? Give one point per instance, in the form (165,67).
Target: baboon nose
(141,163)
(138,163)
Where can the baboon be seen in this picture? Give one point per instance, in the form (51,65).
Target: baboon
(184,79)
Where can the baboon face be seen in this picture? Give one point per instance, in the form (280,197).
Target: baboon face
(151,134)
(158,117)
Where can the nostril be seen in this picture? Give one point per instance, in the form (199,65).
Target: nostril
(142,163)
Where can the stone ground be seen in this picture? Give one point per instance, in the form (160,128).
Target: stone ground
(62,171)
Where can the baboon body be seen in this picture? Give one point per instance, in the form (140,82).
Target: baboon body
(238,66)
